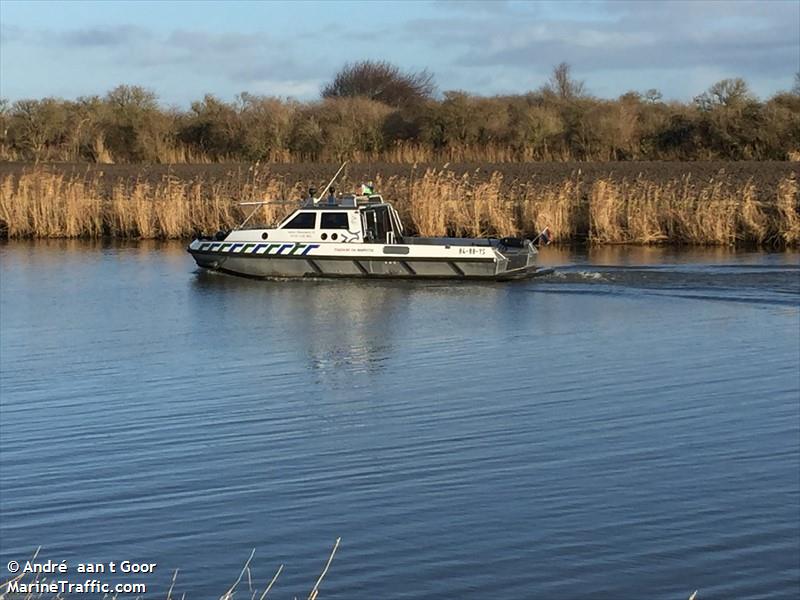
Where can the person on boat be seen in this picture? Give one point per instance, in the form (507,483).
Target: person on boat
(367,189)
(331,196)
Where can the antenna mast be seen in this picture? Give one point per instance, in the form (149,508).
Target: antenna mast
(330,183)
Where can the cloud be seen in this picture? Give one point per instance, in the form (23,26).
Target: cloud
(590,48)
(181,63)
(118,36)
(217,43)
(474,6)
(239,57)
(751,39)
(9,33)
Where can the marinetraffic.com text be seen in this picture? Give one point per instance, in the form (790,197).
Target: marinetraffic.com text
(54,577)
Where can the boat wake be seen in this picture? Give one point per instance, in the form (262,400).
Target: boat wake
(774,285)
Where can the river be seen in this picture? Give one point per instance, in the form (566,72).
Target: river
(628,427)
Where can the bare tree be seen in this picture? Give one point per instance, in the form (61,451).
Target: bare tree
(563,85)
(653,96)
(127,98)
(38,124)
(381,81)
(727,92)
(136,129)
(5,108)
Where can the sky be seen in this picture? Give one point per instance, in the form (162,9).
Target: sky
(184,50)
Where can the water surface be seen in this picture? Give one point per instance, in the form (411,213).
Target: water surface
(628,427)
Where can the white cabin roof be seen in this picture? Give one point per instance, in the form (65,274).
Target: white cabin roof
(345,201)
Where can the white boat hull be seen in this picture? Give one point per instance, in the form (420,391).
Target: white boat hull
(410,261)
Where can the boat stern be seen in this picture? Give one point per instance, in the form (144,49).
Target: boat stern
(515,253)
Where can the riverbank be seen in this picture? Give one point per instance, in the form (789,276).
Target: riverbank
(602,203)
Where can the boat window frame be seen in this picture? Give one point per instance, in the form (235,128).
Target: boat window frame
(302,213)
(344,225)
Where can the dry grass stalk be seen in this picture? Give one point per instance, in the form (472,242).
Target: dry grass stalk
(606,209)
(626,212)
(558,207)
(753,220)
(229,594)
(494,214)
(644,217)
(315,590)
(271,583)
(428,199)
(788,205)
(101,153)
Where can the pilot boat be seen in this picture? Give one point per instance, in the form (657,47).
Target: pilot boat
(361,236)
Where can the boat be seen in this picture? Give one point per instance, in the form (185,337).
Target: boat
(359,235)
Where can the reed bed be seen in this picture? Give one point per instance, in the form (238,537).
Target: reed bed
(43,203)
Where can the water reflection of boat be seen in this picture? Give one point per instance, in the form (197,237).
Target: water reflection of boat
(359,236)
(338,328)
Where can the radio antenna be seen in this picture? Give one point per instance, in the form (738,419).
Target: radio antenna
(330,183)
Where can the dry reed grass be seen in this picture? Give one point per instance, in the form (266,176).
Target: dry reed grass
(558,206)
(41,203)
(713,213)
(788,205)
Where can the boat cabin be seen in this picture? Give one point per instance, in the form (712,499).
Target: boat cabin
(363,219)
(350,218)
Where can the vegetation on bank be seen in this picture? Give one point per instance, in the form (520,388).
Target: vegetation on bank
(372,111)
(46,203)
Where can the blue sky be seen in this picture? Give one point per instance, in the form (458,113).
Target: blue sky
(183,50)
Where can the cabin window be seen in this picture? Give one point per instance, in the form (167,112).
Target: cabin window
(305,220)
(334,220)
